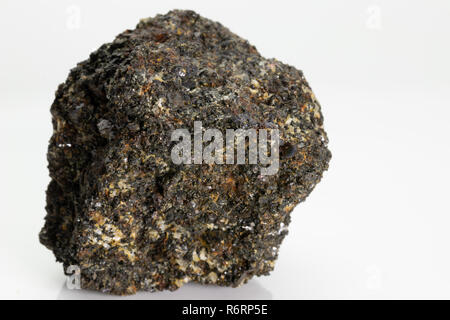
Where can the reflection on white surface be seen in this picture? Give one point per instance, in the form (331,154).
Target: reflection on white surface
(252,290)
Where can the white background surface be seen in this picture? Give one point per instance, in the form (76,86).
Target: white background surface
(377,226)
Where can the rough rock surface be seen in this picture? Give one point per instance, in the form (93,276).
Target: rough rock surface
(120,209)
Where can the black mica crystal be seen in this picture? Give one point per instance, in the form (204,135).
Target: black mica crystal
(117,205)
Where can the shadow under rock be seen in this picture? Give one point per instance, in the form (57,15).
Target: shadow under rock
(190,291)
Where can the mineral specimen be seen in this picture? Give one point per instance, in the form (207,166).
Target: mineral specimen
(121,210)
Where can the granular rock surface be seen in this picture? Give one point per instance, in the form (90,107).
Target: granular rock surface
(117,205)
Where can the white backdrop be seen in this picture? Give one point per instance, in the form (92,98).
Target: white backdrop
(377,226)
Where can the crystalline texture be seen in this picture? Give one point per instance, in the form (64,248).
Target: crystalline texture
(120,209)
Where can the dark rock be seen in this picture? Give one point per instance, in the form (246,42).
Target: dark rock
(117,205)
